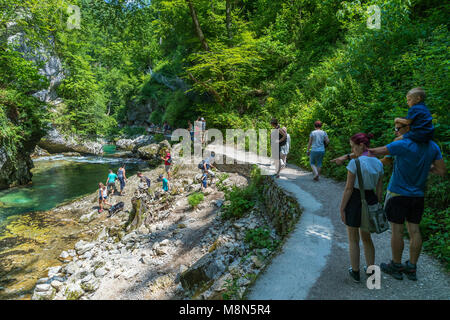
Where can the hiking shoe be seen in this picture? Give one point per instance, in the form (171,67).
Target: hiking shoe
(354,275)
(410,271)
(394,269)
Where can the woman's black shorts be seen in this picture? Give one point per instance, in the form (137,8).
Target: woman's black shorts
(353,208)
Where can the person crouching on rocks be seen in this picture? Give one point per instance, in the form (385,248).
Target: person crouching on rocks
(102,196)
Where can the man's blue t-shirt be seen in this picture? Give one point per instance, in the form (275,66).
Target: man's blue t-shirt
(422,128)
(411,166)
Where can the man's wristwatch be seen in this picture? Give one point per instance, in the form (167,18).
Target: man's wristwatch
(348,156)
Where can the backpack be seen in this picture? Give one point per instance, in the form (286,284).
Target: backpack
(201,164)
(169,161)
(148,181)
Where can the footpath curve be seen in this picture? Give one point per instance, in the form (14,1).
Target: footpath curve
(313,262)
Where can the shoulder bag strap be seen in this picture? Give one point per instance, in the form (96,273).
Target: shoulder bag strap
(360,180)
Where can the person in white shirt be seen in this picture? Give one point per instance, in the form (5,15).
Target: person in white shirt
(372,174)
(284,150)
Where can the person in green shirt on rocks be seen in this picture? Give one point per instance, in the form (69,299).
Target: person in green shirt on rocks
(111,181)
(165,182)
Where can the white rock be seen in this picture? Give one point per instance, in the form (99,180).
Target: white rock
(72,268)
(146,260)
(43,287)
(130,273)
(64,255)
(100,272)
(42,280)
(57,284)
(165,242)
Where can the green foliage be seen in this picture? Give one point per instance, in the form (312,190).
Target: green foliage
(195,199)
(261,238)
(231,289)
(219,184)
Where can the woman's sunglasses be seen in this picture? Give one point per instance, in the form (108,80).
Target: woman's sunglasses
(397,129)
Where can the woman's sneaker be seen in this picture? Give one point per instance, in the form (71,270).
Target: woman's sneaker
(394,269)
(410,271)
(354,275)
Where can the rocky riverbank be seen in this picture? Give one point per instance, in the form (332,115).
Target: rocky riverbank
(159,247)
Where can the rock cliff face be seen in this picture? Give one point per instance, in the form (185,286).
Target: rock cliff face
(55,142)
(14,168)
(15,161)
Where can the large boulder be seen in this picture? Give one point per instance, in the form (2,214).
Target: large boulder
(153,151)
(39,152)
(202,273)
(134,143)
(55,142)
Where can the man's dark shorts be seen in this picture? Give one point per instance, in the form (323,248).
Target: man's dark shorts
(400,208)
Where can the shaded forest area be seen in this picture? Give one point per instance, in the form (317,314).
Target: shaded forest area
(238,63)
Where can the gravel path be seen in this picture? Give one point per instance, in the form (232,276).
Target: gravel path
(314,260)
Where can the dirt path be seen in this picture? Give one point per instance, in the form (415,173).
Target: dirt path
(314,260)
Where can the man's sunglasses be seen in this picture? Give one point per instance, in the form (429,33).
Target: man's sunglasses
(397,129)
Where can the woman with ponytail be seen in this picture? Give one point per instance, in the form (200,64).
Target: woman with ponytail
(372,174)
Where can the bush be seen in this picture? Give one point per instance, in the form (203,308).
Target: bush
(260,238)
(241,200)
(195,199)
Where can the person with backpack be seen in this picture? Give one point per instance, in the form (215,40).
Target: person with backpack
(167,162)
(281,139)
(318,140)
(371,173)
(122,178)
(206,165)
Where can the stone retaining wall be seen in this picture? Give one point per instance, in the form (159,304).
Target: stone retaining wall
(281,207)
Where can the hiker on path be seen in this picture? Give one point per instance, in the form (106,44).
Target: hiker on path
(167,162)
(372,176)
(279,139)
(285,149)
(102,196)
(203,129)
(122,178)
(111,181)
(197,130)
(405,198)
(318,140)
(191,130)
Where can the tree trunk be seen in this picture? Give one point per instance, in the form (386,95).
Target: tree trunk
(197,26)
(208,88)
(228,12)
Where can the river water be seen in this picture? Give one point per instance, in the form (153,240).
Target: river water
(28,235)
